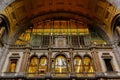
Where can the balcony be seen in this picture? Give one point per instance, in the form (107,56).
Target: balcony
(84,47)
(67,75)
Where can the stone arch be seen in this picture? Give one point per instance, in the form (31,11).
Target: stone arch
(115,23)
(77,55)
(88,63)
(33,55)
(60,54)
(103,33)
(19,31)
(87,55)
(4,28)
(43,56)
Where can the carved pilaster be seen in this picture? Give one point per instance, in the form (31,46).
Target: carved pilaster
(49,60)
(71,61)
(3,55)
(25,60)
(116,50)
(96,61)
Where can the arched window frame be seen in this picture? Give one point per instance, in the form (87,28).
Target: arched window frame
(29,64)
(45,67)
(78,66)
(13,59)
(67,64)
(91,64)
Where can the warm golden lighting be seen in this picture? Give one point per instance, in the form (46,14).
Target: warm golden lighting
(78,64)
(12,65)
(59,27)
(88,64)
(60,64)
(33,65)
(43,65)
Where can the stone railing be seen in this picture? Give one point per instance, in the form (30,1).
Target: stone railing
(75,47)
(17,46)
(82,75)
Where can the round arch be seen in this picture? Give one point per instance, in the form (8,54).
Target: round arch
(60,54)
(33,55)
(77,55)
(4,28)
(43,56)
(114,25)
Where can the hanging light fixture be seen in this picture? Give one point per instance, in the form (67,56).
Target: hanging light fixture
(115,3)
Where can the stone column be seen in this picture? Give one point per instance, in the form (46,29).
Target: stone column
(71,61)
(116,50)
(96,61)
(73,75)
(3,54)
(25,60)
(49,61)
(49,65)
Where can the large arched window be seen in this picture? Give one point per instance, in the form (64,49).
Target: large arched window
(33,64)
(78,64)
(88,67)
(43,64)
(60,64)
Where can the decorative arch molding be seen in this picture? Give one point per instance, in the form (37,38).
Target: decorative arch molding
(87,55)
(115,23)
(19,31)
(77,55)
(4,22)
(33,55)
(104,34)
(62,15)
(43,55)
(4,28)
(33,20)
(60,54)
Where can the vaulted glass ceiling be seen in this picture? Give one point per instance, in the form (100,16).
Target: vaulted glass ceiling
(47,30)
(90,12)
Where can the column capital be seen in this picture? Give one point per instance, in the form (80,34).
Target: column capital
(116,43)
(93,50)
(71,51)
(27,51)
(49,50)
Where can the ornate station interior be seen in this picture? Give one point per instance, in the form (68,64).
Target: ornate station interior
(59,40)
